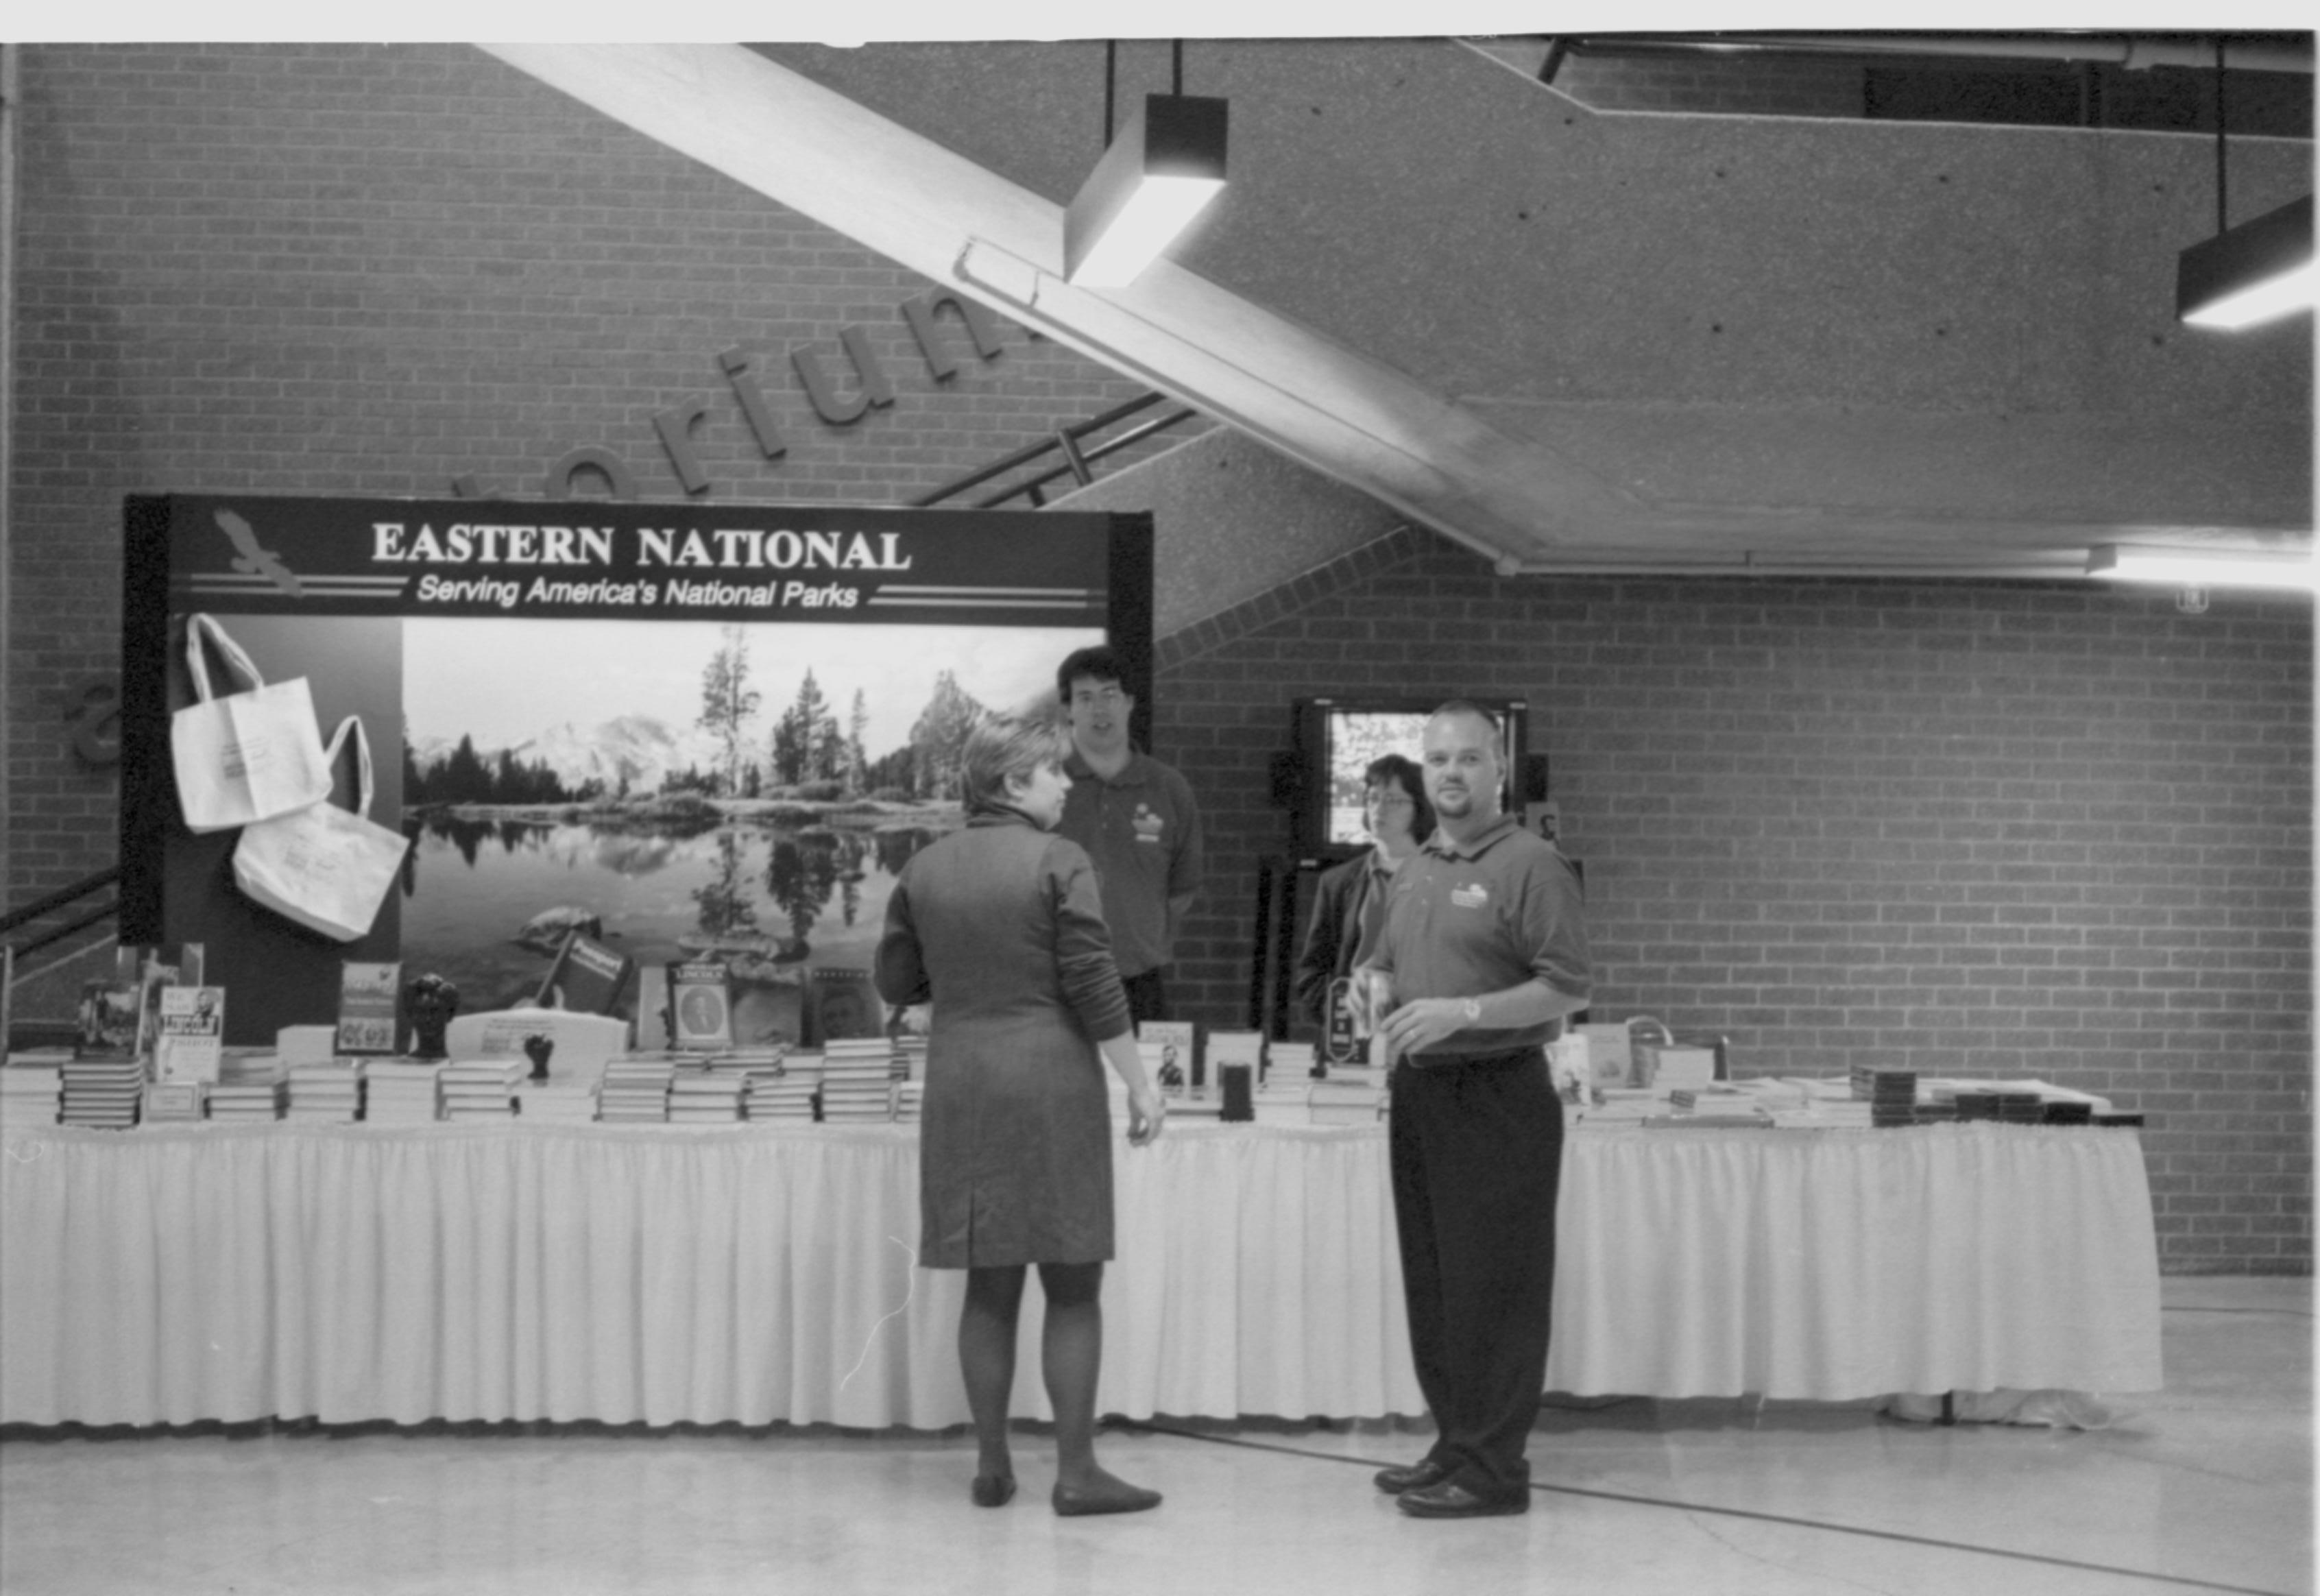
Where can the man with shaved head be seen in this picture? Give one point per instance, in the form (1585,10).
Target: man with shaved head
(1484,953)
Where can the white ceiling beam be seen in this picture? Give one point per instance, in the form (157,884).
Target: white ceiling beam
(931,210)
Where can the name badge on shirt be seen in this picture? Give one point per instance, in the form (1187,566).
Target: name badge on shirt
(1471,896)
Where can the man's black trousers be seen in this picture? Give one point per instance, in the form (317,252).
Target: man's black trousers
(1476,1152)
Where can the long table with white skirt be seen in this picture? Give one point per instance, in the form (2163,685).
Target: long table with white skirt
(759,1273)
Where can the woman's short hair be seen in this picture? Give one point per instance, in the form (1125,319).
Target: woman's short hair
(1005,746)
(1395,770)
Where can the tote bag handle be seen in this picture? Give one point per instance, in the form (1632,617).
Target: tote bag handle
(353,723)
(198,665)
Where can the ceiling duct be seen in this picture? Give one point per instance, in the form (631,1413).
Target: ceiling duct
(2134,54)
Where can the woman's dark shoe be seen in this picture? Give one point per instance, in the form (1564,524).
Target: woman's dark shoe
(1113,1496)
(1418,1476)
(993,1490)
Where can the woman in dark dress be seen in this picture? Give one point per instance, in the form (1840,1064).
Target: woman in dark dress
(1000,927)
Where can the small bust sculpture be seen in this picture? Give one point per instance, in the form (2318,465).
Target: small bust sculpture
(431,1002)
(536,1047)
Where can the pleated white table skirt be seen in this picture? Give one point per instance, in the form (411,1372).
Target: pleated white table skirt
(757,1273)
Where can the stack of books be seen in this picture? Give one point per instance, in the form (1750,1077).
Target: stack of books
(1343,1101)
(482,1088)
(1288,1063)
(32,1090)
(1891,1094)
(102,1093)
(787,1097)
(328,1092)
(175,1102)
(907,1097)
(909,1056)
(1773,1094)
(401,1090)
(635,1090)
(1714,1105)
(746,1064)
(1817,1105)
(555,1102)
(248,1090)
(2021,1108)
(857,1080)
(1618,1108)
(1203,1107)
(699,1096)
(1281,1099)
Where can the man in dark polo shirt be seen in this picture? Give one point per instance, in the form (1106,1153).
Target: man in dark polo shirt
(1137,818)
(1486,953)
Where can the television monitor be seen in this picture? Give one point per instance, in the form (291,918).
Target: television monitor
(1339,737)
(697,729)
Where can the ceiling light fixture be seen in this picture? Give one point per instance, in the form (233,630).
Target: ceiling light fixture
(1155,175)
(2201,567)
(2251,272)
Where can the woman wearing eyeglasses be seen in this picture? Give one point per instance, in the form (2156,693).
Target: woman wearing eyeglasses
(1349,900)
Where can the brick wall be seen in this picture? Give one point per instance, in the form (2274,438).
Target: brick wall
(371,269)
(1969,829)
(2058,828)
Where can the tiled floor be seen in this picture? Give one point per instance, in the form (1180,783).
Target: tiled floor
(2206,1487)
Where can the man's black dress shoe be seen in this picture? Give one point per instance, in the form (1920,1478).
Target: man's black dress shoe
(1450,1499)
(1418,1476)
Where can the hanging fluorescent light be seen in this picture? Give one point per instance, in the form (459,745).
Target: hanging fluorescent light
(1159,172)
(2201,567)
(2251,272)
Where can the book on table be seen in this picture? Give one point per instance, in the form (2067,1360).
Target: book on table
(189,1040)
(370,1007)
(110,1017)
(701,1005)
(588,977)
(1172,1054)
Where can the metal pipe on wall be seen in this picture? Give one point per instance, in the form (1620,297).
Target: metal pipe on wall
(2134,54)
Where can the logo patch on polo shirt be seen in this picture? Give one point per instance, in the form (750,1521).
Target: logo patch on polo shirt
(1148,826)
(1473,895)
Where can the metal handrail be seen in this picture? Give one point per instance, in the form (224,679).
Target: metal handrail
(63,898)
(109,877)
(1065,441)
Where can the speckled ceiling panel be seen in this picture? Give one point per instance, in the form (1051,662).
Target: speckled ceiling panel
(1239,520)
(1915,321)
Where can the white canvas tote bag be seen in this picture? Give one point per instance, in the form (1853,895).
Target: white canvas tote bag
(246,756)
(325,867)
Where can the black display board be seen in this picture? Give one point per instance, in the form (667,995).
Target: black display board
(569,649)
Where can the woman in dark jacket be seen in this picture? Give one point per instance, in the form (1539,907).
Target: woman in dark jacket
(1000,927)
(1349,899)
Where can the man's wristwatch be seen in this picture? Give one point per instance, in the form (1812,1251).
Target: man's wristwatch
(1470,1011)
